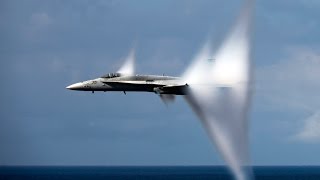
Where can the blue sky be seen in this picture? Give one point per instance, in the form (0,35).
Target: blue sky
(47,45)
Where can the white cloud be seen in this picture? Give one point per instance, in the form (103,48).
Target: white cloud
(311,129)
(293,85)
(294,81)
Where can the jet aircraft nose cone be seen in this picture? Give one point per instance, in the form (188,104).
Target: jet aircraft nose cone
(74,86)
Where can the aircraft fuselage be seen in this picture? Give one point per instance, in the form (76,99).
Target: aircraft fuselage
(141,83)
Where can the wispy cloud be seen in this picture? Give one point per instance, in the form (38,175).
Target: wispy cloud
(293,85)
(310,131)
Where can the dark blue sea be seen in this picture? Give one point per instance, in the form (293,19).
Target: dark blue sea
(154,172)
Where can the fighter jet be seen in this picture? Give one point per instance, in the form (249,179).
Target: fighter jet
(125,80)
(165,86)
(217,86)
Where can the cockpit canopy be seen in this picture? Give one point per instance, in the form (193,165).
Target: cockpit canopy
(111,75)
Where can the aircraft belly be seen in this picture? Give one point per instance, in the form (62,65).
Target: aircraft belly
(112,86)
(139,86)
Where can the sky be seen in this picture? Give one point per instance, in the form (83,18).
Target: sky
(47,45)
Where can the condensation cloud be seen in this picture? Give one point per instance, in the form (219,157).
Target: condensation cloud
(220,89)
(128,67)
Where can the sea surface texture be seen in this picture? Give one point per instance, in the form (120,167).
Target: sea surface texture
(154,172)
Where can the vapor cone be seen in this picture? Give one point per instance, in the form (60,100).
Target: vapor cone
(128,67)
(219,93)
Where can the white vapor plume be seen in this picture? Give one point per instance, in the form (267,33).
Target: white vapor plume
(220,90)
(128,67)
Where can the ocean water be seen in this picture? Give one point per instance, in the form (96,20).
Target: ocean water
(154,172)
